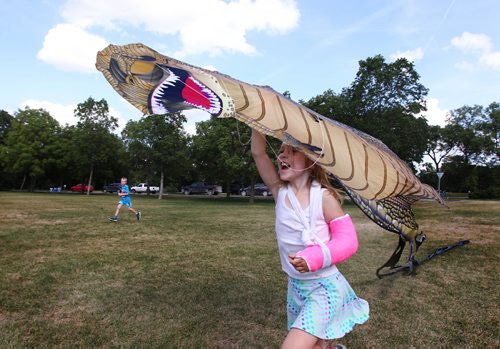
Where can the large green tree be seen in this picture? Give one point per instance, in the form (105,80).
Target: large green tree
(383,101)
(67,157)
(466,149)
(5,123)
(473,130)
(28,148)
(472,135)
(221,152)
(94,145)
(332,105)
(492,129)
(380,86)
(440,145)
(158,143)
(492,126)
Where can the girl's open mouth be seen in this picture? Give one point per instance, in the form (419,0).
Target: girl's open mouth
(284,166)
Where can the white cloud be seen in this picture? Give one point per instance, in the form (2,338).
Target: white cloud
(210,67)
(193,116)
(121,120)
(212,26)
(466,66)
(70,48)
(64,113)
(411,55)
(481,45)
(472,42)
(491,59)
(434,114)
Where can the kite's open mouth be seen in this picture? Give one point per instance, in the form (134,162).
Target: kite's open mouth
(181,91)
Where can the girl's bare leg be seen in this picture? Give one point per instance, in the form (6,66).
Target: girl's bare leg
(298,339)
(320,344)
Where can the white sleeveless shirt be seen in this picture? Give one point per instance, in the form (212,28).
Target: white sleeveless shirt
(294,234)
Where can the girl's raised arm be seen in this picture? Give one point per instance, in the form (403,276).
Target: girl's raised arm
(265,166)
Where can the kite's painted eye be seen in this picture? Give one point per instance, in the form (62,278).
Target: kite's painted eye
(130,80)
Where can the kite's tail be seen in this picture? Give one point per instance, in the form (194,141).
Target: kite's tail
(412,263)
(442,250)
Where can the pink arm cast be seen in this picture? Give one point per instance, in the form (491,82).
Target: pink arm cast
(342,245)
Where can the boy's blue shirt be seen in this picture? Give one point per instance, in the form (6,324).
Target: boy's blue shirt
(125,190)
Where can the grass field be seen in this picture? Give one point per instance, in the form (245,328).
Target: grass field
(204,272)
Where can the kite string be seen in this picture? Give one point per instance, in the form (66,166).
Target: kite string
(319,155)
(271,147)
(277,155)
(239,135)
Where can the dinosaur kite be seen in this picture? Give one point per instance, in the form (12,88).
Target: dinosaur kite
(379,182)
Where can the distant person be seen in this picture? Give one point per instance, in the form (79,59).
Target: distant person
(124,194)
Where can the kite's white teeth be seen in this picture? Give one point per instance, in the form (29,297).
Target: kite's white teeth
(157,103)
(170,81)
(215,104)
(158,108)
(172,78)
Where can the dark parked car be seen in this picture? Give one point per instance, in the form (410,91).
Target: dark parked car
(200,188)
(112,188)
(258,189)
(78,188)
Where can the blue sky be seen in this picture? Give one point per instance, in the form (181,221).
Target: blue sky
(305,47)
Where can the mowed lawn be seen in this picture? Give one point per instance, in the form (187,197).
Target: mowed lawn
(204,272)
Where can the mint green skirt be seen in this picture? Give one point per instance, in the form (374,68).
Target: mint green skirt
(327,307)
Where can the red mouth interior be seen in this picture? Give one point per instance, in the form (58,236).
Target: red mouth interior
(192,93)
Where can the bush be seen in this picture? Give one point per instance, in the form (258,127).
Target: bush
(488,193)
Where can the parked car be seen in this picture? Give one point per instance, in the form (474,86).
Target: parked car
(143,188)
(77,188)
(201,188)
(258,189)
(112,188)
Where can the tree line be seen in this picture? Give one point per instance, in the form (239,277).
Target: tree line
(386,100)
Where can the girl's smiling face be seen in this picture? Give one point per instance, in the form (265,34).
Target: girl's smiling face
(291,163)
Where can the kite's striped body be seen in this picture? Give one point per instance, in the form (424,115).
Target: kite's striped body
(382,185)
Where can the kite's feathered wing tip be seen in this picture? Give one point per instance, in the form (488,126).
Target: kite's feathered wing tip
(433,194)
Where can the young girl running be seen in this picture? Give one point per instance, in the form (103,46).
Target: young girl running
(313,235)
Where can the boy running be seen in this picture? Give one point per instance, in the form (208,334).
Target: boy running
(124,195)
